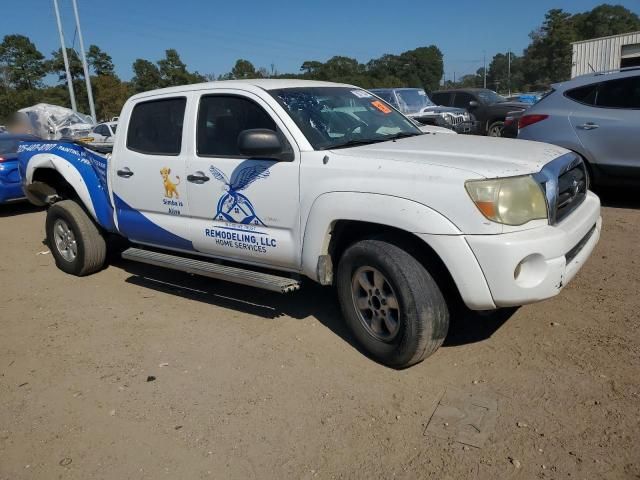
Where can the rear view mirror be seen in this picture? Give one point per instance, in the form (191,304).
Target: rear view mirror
(259,142)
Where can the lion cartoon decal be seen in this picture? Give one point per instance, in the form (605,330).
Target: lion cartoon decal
(170,189)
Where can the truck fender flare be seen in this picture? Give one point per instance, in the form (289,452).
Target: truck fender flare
(85,183)
(397,212)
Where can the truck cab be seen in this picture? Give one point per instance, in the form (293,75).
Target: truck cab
(266,182)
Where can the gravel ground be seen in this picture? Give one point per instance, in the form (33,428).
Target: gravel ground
(141,373)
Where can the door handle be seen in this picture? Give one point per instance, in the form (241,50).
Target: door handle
(125,172)
(198,178)
(588,126)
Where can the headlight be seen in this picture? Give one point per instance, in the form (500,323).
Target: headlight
(510,201)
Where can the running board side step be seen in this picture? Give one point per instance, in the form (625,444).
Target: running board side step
(213,270)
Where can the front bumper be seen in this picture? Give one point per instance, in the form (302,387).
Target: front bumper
(532,265)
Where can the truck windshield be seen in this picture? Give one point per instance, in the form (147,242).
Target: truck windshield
(413,100)
(335,117)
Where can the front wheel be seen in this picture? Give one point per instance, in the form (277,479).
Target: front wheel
(495,129)
(77,245)
(391,303)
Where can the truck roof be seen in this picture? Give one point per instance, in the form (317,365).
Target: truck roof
(262,83)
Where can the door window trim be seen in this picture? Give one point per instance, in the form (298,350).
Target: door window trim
(289,150)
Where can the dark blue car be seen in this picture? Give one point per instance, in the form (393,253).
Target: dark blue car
(10,184)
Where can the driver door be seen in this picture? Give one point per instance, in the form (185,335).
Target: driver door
(243,209)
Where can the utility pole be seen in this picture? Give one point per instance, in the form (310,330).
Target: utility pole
(508,72)
(484,68)
(72,96)
(87,78)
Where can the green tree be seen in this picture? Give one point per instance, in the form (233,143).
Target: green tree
(22,65)
(310,67)
(146,76)
(56,64)
(110,94)
(498,73)
(548,58)
(605,20)
(100,61)
(243,69)
(173,71)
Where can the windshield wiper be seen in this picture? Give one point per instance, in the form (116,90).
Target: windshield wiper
(400,135)
(354,143)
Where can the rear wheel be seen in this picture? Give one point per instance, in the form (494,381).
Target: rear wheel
(77,245)
(495,129)
(391,303)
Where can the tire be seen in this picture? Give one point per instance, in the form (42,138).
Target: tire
(413,326)
(495,129)
(68,225)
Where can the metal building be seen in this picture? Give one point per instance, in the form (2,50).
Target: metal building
(606,53)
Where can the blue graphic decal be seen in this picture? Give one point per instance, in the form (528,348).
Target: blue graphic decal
(91,166)
(233,206)
(135,226)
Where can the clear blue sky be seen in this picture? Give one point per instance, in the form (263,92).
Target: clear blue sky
(210,35)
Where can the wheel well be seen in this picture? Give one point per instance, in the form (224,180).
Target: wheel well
(346,232)
(47,181)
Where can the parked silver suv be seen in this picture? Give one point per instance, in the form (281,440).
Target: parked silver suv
(597,116)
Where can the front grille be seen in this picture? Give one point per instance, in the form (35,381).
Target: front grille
(565,183)
(572,190)
(453,119)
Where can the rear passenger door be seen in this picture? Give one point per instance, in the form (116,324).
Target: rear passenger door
(243,209)
(148,175)
(607,122)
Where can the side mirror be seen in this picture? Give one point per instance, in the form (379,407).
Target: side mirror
(259,142)
(473,104)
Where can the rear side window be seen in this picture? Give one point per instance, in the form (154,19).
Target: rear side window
(441,98)
(586,95)
(155,127)
(222,118)
(621,93)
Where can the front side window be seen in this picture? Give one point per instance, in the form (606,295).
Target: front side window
(155,127)
(335,117)
(221,119)
(620,93)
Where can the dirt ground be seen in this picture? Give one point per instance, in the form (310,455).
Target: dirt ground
(251,384)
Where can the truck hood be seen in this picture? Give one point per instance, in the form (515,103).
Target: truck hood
(483,156)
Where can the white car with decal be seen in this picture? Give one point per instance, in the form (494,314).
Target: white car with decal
(263,182)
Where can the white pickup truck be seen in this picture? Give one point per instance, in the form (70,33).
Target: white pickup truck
(263,182)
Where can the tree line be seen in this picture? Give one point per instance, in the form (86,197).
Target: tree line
(546,60)
(548,57)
